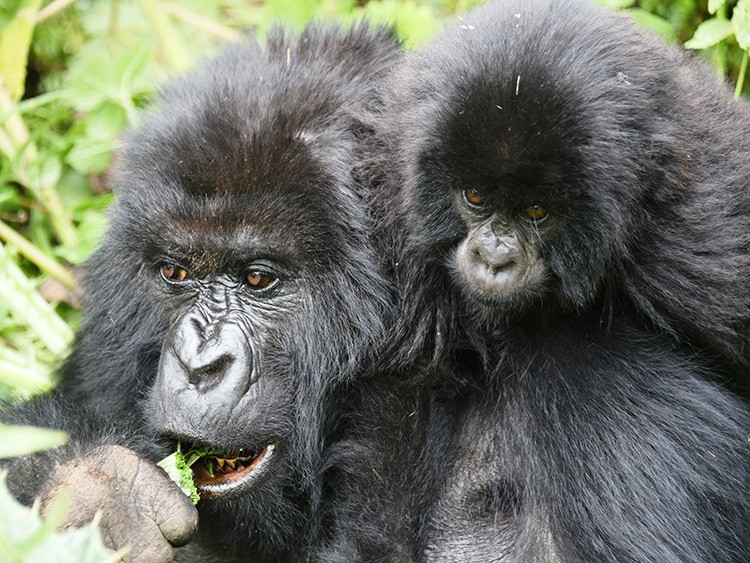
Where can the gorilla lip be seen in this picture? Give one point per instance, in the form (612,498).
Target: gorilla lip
(219,475)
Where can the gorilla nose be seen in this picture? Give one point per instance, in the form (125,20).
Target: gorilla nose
(205,357)
(214,360)
(496,259)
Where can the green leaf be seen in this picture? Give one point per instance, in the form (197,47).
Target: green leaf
(91,230)
(91,155)
(24,440)
(23,373)
(105,122)
(295,12)
(25,537)
(741,23)
(179,471)
(655,23)
(15,41)
(709,33)
(98,79)
(29,308)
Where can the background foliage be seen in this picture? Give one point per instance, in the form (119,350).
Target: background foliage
(75,73)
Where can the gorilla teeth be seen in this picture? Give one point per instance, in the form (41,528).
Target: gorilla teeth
(230,474)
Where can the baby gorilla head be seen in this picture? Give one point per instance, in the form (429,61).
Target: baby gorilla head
(523,171)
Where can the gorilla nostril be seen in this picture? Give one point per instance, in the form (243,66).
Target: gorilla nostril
(211,372)
(493,261)
(504,267)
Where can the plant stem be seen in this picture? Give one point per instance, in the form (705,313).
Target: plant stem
(741,77)
(52,10)
(28,307)
(201,22)
(169,41)
(36,256)
(17,145)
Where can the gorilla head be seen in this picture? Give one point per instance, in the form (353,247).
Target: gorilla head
(544,165)
(237,277)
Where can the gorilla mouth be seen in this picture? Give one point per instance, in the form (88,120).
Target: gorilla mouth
(225,474)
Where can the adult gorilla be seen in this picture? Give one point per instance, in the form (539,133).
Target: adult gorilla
(236,289)
(574,199)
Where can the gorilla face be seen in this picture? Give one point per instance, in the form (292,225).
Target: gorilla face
(236,277)
(513,184)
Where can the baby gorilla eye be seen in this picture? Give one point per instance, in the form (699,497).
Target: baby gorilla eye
(174,273)
(535,213)
(260,279)
(474,197)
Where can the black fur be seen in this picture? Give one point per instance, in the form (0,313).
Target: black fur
(257,154)
(594,418)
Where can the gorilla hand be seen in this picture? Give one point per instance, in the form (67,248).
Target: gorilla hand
(142,510)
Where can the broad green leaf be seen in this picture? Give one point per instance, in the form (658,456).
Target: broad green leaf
(741,23)
(91,155)
(179,471)
(24,440)
(45,173)
(655,23)
(14,48)
(709,33)
(91,230)
(98,78)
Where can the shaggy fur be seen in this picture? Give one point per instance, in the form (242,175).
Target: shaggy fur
(255,156)
(593,417)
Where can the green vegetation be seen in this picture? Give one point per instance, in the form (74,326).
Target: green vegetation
(75,73)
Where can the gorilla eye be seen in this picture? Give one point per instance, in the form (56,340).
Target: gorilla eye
(474,197)
(258,279)
(535,213)
(174,273)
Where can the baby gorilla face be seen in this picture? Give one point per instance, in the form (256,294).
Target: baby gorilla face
(499,260)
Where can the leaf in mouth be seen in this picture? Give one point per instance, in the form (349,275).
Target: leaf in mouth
(178,466)
(179,471)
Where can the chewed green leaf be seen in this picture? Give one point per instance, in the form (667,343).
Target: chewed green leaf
(179,471)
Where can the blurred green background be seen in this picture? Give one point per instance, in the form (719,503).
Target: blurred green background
(75,73)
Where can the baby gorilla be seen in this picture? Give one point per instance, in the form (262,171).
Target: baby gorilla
(236,289)
(574,198)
